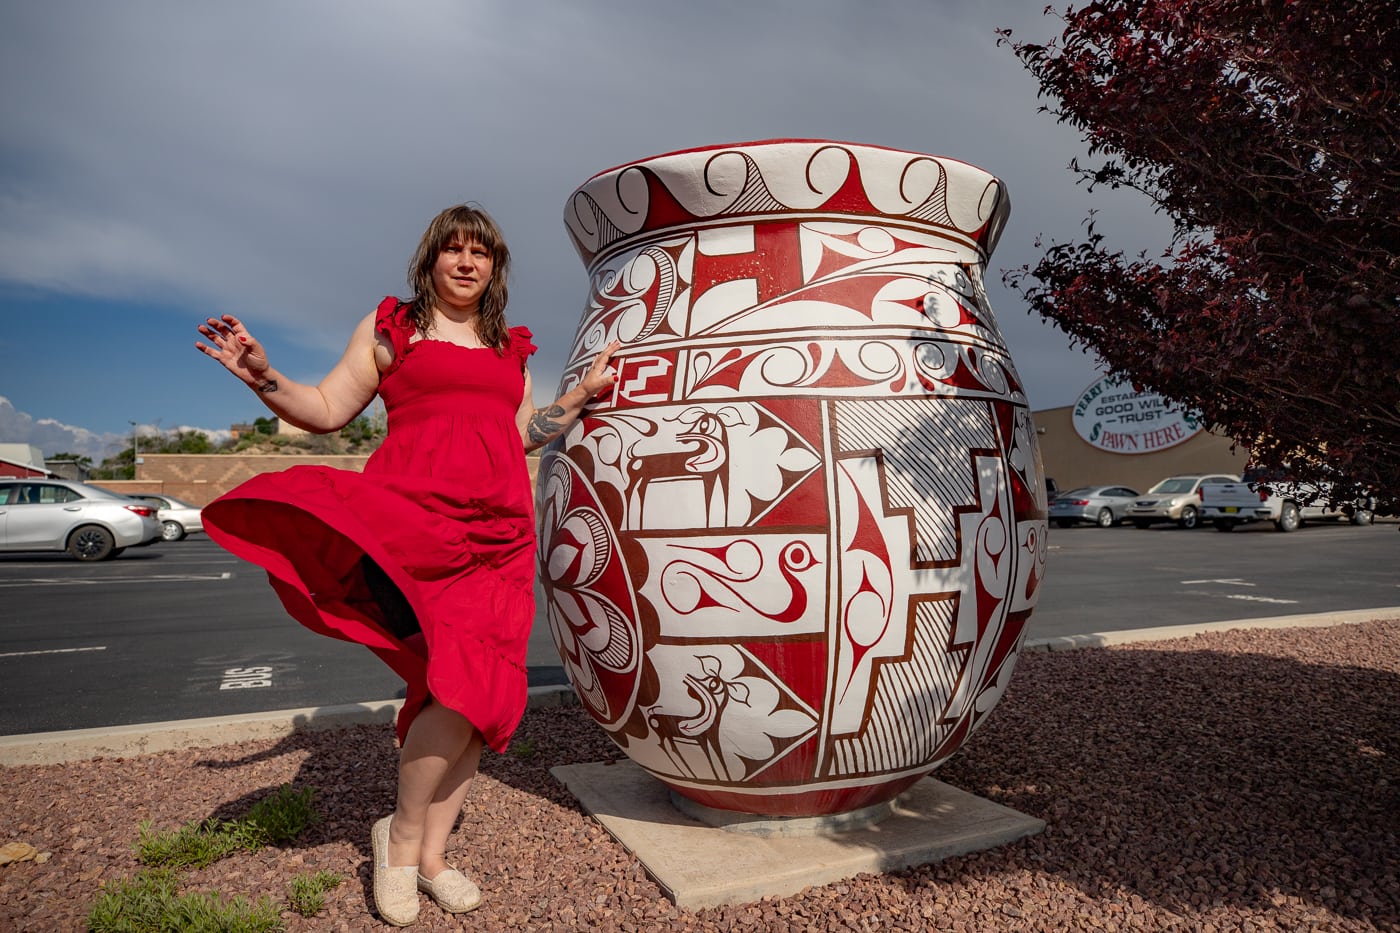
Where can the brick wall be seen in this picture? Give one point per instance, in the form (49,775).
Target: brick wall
(202,478)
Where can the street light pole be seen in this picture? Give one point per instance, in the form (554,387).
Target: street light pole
(133,448)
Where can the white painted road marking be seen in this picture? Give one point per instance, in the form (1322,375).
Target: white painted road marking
(1233,581)
(25,654)
(155,578)
(243,678)
(1236,581)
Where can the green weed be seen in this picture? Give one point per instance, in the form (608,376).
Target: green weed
(272,821)
(307,893)
(278,819)
(194,845)
(148,903)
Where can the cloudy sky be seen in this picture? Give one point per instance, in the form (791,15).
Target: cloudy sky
(278,160)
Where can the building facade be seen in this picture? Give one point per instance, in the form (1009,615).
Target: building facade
(1115,435)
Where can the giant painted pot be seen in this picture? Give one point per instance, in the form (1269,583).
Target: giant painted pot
(789,559)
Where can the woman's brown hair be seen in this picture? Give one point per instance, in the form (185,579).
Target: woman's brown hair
(469,224)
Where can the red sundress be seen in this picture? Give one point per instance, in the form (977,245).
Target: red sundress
(444,508)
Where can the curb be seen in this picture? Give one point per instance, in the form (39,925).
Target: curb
(53,748)
(1130,636)
(49,748)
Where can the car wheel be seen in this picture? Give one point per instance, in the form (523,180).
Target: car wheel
(1223,524)
(1141,523)
(1363,517)
(1190,517)
(1288,519)
(171,531)
(1063,522)
(1106,519)
(91,543)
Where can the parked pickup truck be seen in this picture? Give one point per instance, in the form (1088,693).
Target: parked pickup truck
(1226,505)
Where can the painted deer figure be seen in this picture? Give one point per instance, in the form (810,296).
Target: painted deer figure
(703,459)
(700,730)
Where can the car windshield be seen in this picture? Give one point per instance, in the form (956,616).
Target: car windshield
(1076,493)
(1175,484)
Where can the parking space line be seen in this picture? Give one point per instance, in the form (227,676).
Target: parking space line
(1233,581)
(25,654)
(157,578)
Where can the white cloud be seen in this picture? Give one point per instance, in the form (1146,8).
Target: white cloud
(53,437)
(279,161)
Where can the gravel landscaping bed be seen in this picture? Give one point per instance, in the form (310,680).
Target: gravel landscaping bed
(1242,780)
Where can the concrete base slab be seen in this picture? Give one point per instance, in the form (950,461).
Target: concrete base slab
(703,866)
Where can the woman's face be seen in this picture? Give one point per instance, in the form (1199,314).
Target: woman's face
(461,274)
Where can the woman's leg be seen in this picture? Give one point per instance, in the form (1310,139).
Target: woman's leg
(446,808)
(436,757)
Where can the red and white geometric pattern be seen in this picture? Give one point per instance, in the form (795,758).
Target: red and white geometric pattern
(789,560)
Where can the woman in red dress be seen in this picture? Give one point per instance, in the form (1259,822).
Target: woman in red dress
(427,557)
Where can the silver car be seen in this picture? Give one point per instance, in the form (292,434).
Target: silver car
(89,522)
(1176,499)
(177,517)
(1104,506)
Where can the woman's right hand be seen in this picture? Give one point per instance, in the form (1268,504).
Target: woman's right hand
(234,347)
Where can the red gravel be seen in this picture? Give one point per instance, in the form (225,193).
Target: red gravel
(1245,780)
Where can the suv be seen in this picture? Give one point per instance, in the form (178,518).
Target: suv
(1175,499)
(89,522)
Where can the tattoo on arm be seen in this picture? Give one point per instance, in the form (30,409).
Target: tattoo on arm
(267,385)
(543,424)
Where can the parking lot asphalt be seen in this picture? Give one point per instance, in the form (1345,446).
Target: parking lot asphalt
(147,738)
(1090,626)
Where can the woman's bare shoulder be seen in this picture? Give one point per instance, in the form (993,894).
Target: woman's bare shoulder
(369,336)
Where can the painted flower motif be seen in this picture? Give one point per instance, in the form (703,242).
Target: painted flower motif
(597,641)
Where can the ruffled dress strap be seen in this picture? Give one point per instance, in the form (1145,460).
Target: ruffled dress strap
(521,344)
(391,320)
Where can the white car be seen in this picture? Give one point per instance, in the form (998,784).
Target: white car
(1260,497)
(177,517)
(89,522)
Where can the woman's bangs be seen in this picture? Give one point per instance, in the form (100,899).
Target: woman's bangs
(471,230)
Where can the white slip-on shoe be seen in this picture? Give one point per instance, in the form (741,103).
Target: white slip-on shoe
(451,890)
(395,895)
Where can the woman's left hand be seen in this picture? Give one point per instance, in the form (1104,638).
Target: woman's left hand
(601,375)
